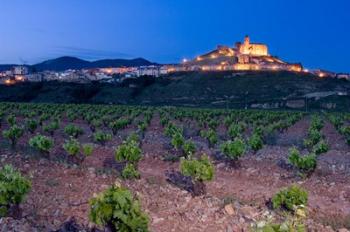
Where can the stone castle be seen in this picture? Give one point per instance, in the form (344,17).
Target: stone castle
(242,57)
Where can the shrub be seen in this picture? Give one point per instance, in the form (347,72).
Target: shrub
(117,209)
(170,130)
(51,127)
(31,125)
(290,225)
(11,120)
(133,137)
(256,142)
(210,135)
(95,124)
(43,118)
(13,188)
(88,149)
(235,130)
(72,147)
(177,140)
(142,126)
(101,137)
(118,125)
(290,198)
(199,170)
(130,172)
(189,148)
(233,149)
(128,151)
(73,130)
(313,138)
(13,134)
(316,123)
(321,147)
(305,163)
(41,143)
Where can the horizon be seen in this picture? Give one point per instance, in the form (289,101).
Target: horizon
(167,32)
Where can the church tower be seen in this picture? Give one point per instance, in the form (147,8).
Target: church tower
(246,40)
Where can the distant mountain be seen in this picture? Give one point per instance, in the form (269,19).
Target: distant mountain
(67,62)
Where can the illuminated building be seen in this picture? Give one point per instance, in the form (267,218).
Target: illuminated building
(242,57)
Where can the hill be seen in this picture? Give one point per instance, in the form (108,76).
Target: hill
(269,90)
(67,62)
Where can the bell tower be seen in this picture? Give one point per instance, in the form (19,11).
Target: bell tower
(246,40)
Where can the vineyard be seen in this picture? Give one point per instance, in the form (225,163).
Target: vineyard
(132,168)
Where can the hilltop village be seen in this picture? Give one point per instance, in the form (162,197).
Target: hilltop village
(242,57)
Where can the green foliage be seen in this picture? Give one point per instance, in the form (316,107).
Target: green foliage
(256,142)
(200,170)
(13,188)
(51,127)
(128,151)
(171,129)
(316,123)
(210,135)
(87,149)
(290,198)
(189,148)
(73,130)
(102,137)
(142,126)
(95,123)
(43,118)
(11,120)
(177,140)
(314,137)
(117,208)
(235,130)
(72,147)
(31,125)
(293,225)
(118,125)
(41,143)
(13,134)
(321,147)
(305,163)
(130,172)
(233,149)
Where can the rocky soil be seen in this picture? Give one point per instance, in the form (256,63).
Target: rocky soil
(235,199)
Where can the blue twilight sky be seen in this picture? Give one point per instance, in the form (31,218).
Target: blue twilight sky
(314,32)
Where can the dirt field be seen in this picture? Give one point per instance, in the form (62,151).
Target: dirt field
(235,199)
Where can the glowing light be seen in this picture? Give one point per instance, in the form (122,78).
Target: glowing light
(19,78)
(205,68)
(199,58)
(321,75)
(306,70)
(9,82)
(274,67)
(213,56)
(184,60)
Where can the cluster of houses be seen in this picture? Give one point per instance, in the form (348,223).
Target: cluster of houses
(242,57)
(22,74)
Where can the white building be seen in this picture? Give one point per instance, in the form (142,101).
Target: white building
(20,70)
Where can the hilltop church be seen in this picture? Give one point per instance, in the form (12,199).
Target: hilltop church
(243,56)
